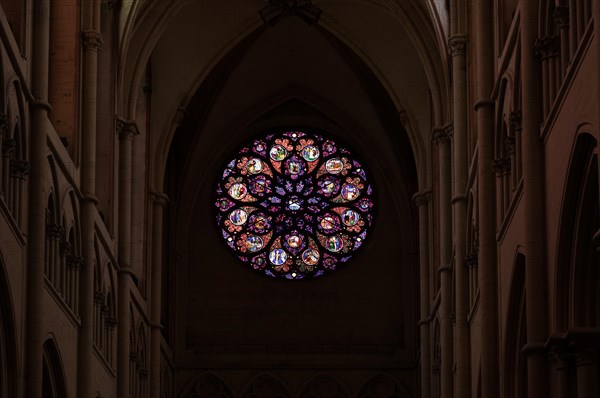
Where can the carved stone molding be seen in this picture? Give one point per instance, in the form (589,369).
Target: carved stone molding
(91,40)
(275,10)
(457,45)
(442,136)
(126,129)
(4,124)
(54,231)
(9,145)
(501,166)
(19,169)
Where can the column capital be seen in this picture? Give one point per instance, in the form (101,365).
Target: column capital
(546,47)
(422,198)
(111,323)
(91,40)
(9,145)
(99,298)
(515,120)
(561,16)
(442,135)
(509,145)
(54,231)
(501,166)
(19,168)
(4,124)
(159,198)
(75,262)
(65,248)
(126,129)
(457,45)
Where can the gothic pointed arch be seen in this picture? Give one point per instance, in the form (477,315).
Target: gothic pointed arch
(383,385)
(324,385)
(265,385)
(8,354)
(53,379)
(206,385)
(515,371)
(577,277)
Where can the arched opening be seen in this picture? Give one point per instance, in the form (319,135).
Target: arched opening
(53,381)
(515,372)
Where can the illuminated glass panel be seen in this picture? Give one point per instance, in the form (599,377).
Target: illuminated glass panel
(294,205)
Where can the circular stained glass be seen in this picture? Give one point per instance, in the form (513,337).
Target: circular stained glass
(294,205)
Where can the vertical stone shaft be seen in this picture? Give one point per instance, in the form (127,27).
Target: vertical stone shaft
(126,131)
(37,202)
(159,201)
(442,138)
(457,45)
(486,180)
(423,200)
(533,198)
(92,42)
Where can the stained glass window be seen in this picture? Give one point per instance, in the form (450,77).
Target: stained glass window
(294,205)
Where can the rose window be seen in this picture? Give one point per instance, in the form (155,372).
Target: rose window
(294,205)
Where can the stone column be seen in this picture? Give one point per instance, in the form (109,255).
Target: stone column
(4,132)
(159,201)
(422,200)
(126,131)
(442,138)
(586,361)
(458,47)
(561,15)
(534,215)
(487,266)
(92,41)
(34,315)
(560,355)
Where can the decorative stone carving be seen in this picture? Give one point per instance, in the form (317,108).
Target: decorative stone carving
(275,10)
(126,129)
(19,169)
(442,136)
(91,40)
(457,45)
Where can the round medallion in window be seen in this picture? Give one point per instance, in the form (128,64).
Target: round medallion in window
(294,205)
